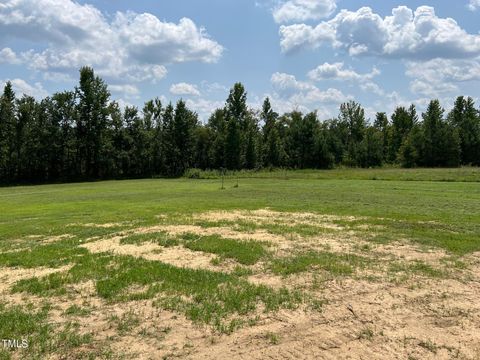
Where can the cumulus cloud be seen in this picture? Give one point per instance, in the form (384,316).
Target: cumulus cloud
(418,34)
(304,93)
(474,5)
(130,46)
(285,82)
(303,10)
(441,76)
(21,87)
(184,89)
(204,107)
(127,91)
(336,71)
(371,87)
(8,56)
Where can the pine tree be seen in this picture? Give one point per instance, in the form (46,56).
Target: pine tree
(236,118)
(24,137)
(184,126)
(7,134)
(432,127)
(93,98)
(218,127)
(382,125)
(271,141)
(403,121)
(465,118)
(64,115)
(371,148)
(352,115)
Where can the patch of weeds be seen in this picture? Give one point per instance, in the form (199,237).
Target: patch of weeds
(245,252)
(237,225)
(272,338)
(19,323)
(317,305)
(76,310)
(454,262)
(70,338)
(416,267)
(429,345)
(216,261)
(363,247)
(336,264)
(87,267)
(125,323)
(366,334)
(51,255)
(241,271)
(304,230)
(253,321)
(203,296)
(160,238)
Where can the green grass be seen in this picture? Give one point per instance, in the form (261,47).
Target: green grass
(160,238)
(204,296)
(431,207)
(335,264)
(75,310)
(464,174)
(125,323)
(404,208)
(18,323)
(245,252)
(417,268)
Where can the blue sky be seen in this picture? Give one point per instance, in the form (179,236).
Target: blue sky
(303,54)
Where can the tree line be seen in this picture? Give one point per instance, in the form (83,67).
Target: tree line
(83,135)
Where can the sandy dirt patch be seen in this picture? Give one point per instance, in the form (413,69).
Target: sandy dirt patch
(266,216)
(9,276)
(176,255)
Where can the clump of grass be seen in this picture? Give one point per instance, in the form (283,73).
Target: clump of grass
(418,268)
(76,310)
(429,345)
(125,323)
(70,338)
(336,264)
(160,238)
(202,295)
(51,255)
(272,338)
(366,334)
(19,323)
(245,252)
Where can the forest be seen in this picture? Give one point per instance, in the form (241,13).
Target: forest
(84,135)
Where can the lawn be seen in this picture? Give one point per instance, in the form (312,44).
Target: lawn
(186,266)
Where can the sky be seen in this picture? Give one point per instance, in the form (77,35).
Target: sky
(307,55)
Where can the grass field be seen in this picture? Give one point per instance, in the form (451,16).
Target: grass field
(306,264)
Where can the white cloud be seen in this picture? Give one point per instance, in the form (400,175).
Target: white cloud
(303,10)
(184,89)
(21,87)
(127,91)
(336,71)
(431,90)
(442,76)
(130,46)
(214,87)
(204,107)
(372,87)
(474,5)
(304,93)
(445,70)
(285,82)
(405,34)
(8,56)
